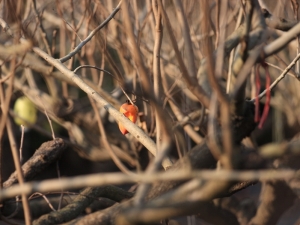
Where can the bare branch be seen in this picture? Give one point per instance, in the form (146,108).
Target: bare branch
(91,35)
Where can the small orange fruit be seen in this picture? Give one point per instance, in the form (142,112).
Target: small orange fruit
(131,112)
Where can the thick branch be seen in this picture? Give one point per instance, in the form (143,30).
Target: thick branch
(86,197)
(48,153)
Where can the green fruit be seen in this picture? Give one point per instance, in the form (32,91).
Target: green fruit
(25,111)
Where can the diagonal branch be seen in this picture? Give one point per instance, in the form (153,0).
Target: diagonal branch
(119,117)
(91,35)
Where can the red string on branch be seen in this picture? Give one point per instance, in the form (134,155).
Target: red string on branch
(257,88)
(268,97)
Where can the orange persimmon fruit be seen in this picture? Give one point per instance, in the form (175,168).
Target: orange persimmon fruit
(131,112)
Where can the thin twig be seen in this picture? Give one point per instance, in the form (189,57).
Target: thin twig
(48,118)
(21,143)
(62,191)
(102,70)
(107,145)
(41,28)
(184,120)
(190,59)
(213,75)
(45,198)
(20,175)
(282,75)
(17,208)
(278,68)
(144,188)
(190,82)
(88,38)
(156,68)
(145,79)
